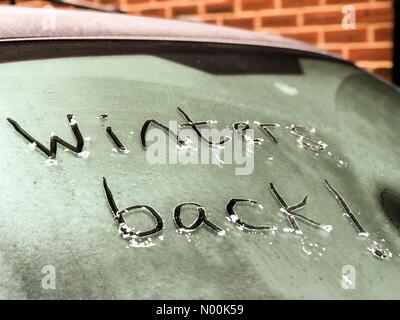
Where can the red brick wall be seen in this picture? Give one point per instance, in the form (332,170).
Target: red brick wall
(318,22)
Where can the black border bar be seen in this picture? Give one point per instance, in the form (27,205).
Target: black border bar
(261,309)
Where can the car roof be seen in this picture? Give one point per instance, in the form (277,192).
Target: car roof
(22,24)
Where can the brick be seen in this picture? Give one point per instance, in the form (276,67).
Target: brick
(346,36)
(279,21)
(298,3)
(309,37)
(373,54)
(344,2)
(156,13)
(243,23)
(323,18)
(35,4)
(385,73)
(257,4)
(384,34)
(336,51)
(219,7)
(210,21)
(362,16)
(135,1)
(108,2)
(374,15)
(184,11)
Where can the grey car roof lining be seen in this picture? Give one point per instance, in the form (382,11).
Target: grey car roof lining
(27,24)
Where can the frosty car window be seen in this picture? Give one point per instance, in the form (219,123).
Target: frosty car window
(290,211)
(54,140)
(239,127)
(69,219)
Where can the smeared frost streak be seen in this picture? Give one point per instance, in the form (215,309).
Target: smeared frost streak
(116,140)
(54,140)
(378,251)
(304,141)
(118,215)
(230,208)
(190,123)
(241,128)
(149,122)
(291,215)
(347,209)
(264,127)
(201,219)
